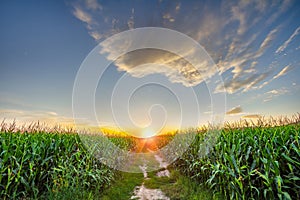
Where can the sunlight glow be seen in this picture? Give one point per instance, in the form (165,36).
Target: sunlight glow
(147,133)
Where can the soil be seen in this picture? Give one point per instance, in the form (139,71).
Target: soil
(143,193)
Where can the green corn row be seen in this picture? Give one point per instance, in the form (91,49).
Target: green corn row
(248,163)
(32,164)
(126,143)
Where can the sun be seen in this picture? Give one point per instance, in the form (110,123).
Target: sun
(147,133)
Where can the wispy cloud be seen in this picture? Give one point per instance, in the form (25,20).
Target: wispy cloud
(282,8)
(285,70)
(241,17)
(267,40)
(130,22)
(258,78)
(141,63)
(96,35)
(168,17)
(89,12)
(52,113)
(287,42)
(243,64)
(93,5)
(274,93)
(207,112)
(29,116)
(245,85)
(251,116)
(9,112)
(224,30)
(235,111)
(82,15)
(87,18)
(177,8)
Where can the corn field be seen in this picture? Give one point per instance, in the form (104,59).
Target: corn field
(32,164)
(249,160)
(255,162)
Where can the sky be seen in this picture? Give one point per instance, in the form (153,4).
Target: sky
(255,46)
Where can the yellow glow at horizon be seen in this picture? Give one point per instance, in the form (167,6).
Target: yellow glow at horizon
(147,133)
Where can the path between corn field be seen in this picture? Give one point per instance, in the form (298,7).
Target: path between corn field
(167,183)
(143,193)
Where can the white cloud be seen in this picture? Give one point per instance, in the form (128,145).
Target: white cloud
(97,36)
(177,8)
(234,85)
(28,116)
(267,40)
(141,63)
(283,72)
(11,112)
(223,31)
(244,63)
(93,5)
(91,12)
(82,15)
(287,42)
(256,80)
(261,5)
(52,113)
(130,22)
(235,111)
(275,93)
(170,14)
(237,14)
(206,27)
(168,17)
(282,5)
(251,116)
(207,112)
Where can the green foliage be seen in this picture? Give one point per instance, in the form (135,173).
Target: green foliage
(123,186)
(248,163)
(126,143)
(178,186)
(36,164)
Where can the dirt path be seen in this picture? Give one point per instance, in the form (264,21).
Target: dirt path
(161,184)
(143,193)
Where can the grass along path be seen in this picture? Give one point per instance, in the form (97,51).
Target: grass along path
(142,192)
(162,184)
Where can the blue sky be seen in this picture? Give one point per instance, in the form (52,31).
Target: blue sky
(255,45)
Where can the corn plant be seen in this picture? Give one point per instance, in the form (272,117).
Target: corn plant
(254,162)
(32,164)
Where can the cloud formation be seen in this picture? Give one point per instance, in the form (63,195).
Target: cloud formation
(225,30)
(267,41)
(252,116)
(144,62)
(288,41)
(243,63)
(25,116)
(274,93)
(93,5)
(285,70)
(236,84)
(235,111)
(82,16)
